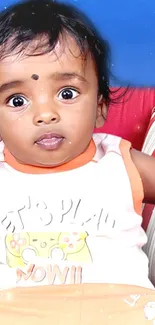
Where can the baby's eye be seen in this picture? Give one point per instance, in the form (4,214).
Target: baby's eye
(17,101)
(68,94)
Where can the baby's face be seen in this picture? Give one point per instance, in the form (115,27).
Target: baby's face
(49,105)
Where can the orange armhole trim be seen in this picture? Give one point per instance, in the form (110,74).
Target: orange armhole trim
(134,176)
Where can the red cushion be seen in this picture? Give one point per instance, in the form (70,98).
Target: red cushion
(129,119)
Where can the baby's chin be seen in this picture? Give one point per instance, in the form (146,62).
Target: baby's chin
(47,164)
(53,163)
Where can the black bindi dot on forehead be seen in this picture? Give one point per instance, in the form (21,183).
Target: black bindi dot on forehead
(35,76)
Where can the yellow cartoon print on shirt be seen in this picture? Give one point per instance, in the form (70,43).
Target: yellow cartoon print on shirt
(24,248)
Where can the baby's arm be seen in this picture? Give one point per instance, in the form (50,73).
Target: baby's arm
(146,167)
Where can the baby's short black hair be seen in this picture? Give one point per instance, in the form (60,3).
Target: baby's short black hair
(24,22)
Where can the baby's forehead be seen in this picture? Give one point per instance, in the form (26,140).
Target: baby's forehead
(63,59)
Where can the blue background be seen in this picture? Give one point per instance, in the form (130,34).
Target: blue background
(129,25)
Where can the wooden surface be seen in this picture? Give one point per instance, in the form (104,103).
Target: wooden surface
(88,304)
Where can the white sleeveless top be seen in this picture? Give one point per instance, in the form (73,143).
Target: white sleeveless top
(79,225)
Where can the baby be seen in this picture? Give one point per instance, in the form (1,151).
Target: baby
(71,201)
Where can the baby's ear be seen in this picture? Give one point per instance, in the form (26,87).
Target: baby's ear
(101,113)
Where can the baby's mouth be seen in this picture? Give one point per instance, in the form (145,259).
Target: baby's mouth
(49,141)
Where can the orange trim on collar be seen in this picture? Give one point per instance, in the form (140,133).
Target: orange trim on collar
(79,161)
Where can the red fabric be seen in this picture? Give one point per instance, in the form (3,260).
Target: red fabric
(129,119)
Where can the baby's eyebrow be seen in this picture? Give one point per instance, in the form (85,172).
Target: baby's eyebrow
(10,85)
(67,76)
